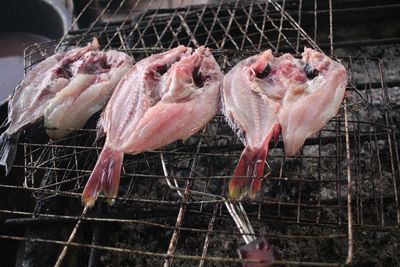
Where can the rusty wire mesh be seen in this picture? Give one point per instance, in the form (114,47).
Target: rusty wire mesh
(304,202)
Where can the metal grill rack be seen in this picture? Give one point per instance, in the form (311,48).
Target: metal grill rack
(345,178)
(238,25)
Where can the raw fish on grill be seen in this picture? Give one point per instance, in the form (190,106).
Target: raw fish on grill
(308,107)
(253,116)
(79,72)
(96,75)
(263,95)
(163,98)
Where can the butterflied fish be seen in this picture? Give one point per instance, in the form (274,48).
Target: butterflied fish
(31,99)
(95,77)
(163,98)
(253,116)
(263,94)
(306,108)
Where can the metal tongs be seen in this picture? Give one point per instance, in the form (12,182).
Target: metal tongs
(238,214)
(235,209)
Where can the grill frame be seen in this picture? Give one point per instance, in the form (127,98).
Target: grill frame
(345,124)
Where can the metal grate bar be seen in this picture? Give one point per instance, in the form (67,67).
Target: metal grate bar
(342,180)
(150,254)
(349,257)
(174,239)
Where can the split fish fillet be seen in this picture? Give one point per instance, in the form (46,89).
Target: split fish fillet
(306,109)
(263,95)
(60,89)
(254,117)
(163,98)
(97,75)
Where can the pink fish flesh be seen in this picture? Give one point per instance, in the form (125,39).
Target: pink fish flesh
(308,106)
(254,117)
(97,74)
(163,98)
(86,75)
(264,94)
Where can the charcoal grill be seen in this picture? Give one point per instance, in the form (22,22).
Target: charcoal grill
(171,209)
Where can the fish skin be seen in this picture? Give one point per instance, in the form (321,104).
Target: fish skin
(65,90)
(253,117)
(304,112)
(97,76)
(31,96)
(182,104)
(161,109)
(264,95)
(137,91)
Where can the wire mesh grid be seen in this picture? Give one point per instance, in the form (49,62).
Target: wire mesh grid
(239,25)
(305,201)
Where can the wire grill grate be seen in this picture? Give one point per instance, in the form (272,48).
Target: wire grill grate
(304,202)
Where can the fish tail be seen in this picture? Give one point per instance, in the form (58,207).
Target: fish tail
(104,178)
(238,185)
(8,150)
(251,164)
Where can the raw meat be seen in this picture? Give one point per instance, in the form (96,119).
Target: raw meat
(253,116)
(163,98)
(96,75)
(307,107)
(264,94)
(73,71)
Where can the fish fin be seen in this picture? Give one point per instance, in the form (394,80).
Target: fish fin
(238,185)
(8,150)
(104,178)
(276,130)
(100,132)
(251,164)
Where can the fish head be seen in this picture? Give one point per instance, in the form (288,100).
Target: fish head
(317,67)
(91,63)
(209,70)
(190,75)
(274,76)
(156,66)
(262,67)
(288,69)
(162,62)
(315,62)
(186,70)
